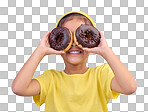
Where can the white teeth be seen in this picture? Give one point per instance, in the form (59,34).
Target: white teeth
(75,52)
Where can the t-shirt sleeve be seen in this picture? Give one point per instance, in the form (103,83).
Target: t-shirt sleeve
(44,81)
(106,78)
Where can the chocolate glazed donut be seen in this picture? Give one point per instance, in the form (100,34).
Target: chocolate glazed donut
(60,39)
(87,36)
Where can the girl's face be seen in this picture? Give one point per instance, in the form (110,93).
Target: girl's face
(73,57)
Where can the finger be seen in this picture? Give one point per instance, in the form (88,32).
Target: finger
(56,51)
(102,35)
(59,52)
(47,42)
(91,50)
(87,49)
(46,35)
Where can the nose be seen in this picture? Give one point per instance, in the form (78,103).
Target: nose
(73,44)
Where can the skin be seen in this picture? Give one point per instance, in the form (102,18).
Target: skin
(75,64)
(123,82)
(24,85)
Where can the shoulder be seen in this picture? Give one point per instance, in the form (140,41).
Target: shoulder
(105,67)
(97,71)
(50,71)
(101,70)
(100,67)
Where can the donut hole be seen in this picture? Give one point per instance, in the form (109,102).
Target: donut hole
(59,38)
(88,34)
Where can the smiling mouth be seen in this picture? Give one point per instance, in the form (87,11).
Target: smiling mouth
(74,52)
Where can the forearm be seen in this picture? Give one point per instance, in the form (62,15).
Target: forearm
(122,74)
(26,73)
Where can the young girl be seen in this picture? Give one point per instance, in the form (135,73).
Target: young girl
(77,88)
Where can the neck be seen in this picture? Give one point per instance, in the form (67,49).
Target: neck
(75,69)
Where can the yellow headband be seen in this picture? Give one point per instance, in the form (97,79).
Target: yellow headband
(79,12)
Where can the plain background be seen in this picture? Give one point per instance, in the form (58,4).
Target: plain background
(23,22)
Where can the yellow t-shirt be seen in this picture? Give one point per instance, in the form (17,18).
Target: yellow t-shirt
(88,92)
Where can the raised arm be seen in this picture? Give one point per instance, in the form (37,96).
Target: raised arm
(123,82)
(23,83)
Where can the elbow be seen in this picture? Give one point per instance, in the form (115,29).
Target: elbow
(132,89)
(16,90)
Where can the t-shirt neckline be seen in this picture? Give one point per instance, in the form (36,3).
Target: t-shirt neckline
(74,75)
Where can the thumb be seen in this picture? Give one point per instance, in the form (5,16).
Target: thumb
(91,50)
(59,52)
(87,49)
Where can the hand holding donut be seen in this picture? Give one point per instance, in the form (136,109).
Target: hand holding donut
(100,48)
(86,37)
(45,46)
(61,38)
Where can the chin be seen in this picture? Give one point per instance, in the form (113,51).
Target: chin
(74,61)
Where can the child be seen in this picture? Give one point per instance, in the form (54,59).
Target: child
(77,88)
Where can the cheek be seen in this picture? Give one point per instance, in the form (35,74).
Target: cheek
(86,53)
(63,55)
